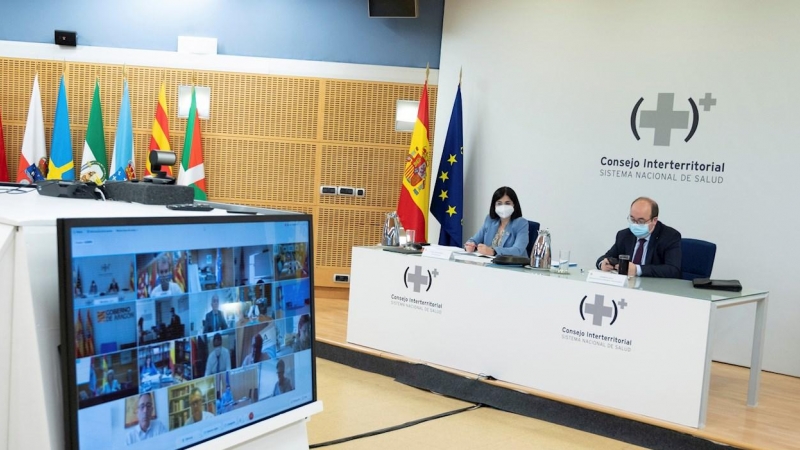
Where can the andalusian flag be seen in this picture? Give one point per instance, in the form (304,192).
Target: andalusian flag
(159,138)
(3,161)
(61,166)
(412,208)
(94,164)
(192,172)
(122,165)
(32,165)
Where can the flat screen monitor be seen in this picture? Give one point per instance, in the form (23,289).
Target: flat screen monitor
(169,341)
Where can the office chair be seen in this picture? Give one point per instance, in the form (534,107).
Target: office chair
(533,233)
(697,258)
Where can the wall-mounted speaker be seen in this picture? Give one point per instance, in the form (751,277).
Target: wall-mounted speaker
(66,38)
(396,9)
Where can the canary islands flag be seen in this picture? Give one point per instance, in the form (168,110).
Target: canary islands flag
(61,167)
(447,202)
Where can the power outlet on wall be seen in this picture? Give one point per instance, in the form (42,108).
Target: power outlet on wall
(341,278)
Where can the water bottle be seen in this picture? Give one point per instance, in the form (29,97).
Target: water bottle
(540,255)
(391,230)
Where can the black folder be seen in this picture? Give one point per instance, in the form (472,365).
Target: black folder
(719,285)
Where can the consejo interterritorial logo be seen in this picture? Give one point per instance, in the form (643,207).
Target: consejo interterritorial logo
(665,118)
(598,310)
(419,277)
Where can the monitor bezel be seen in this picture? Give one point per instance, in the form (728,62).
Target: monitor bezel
(67,355)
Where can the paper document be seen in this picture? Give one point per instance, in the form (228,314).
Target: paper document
(449,248)
(473,257)
(439,251)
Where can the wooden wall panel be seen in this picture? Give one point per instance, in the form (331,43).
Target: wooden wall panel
(357,111)
(271,141)
(377,170)
(260,170)
(338,230)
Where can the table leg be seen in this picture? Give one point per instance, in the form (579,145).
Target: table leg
(758,352)
(707,369)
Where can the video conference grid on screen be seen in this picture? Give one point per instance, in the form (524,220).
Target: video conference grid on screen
(178,346)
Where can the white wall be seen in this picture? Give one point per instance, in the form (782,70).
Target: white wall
(224,63)
(549,87)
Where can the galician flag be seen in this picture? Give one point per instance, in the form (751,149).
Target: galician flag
(122,166)
(159,138)
(412,208)
(94,164)
(32,165)
(192,172)
(3,161)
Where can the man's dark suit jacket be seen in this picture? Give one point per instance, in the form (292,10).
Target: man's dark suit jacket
(663,259)
(208,326)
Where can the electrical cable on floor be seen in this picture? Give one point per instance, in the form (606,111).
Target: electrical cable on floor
(396,427)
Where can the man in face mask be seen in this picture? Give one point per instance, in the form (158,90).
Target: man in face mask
(654,248)
(219,358)
(165,285)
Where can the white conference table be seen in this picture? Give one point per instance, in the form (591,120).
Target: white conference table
(644,348)
(31,414)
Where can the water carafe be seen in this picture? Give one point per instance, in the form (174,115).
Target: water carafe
(391,230)
(540,255)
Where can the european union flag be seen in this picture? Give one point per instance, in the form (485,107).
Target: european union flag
(447,203)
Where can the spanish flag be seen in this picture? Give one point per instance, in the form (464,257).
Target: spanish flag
(412,208)
(159,137)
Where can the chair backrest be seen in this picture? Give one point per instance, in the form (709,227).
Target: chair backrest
(697,258)
(533,233)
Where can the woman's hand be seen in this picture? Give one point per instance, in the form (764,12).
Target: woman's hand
(469,246)
(486,250)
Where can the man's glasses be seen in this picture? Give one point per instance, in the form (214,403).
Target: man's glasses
(145,406)
(639,221)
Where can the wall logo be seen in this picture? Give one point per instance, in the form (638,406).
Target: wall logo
(418,278)
(598,310)
(665,118)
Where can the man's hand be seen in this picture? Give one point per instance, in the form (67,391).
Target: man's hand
(606,266)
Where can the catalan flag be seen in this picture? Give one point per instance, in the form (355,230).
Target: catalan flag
(412,208)
(79,342)
(447,203)
(159,136)
(179,269)
(3,161)
(62,166)
(88,346)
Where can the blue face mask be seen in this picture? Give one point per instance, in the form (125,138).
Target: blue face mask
(639,231)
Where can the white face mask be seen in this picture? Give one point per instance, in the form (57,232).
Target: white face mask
(504,211)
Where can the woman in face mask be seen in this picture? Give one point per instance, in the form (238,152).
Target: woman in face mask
(505,231)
